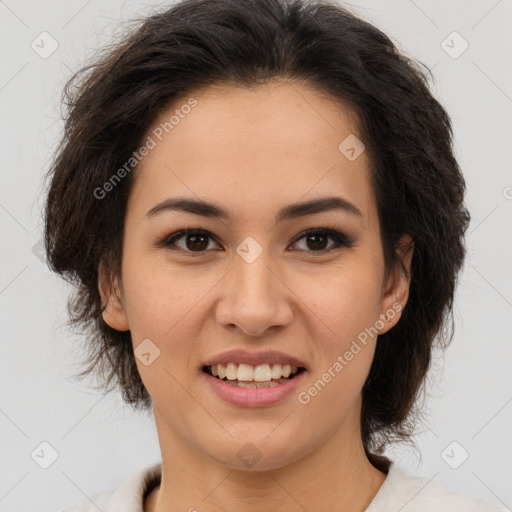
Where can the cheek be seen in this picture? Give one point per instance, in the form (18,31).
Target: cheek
(162,306)
(343,308)
(158,296)
(344,299)
(166,305)
(342,326)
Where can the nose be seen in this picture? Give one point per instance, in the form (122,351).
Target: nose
(254,298)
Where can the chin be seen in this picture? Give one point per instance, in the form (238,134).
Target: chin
(257,453)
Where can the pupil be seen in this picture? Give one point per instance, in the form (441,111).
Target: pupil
(195,244)
(316,236)
(200,242)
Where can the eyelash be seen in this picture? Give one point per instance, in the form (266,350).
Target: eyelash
(339,239)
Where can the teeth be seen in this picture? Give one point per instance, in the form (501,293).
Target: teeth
(286,370)
(246,373)
(262,373)
(276,371)
(267,384)
(231,371)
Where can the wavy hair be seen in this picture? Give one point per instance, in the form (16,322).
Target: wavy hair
(418,185)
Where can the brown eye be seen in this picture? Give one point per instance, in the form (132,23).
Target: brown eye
(188,240)
(316,240)
(196,242)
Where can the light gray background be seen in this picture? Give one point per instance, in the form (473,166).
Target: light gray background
(99,441)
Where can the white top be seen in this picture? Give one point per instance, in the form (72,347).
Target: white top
(400,492)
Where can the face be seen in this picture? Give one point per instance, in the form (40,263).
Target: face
(251,280)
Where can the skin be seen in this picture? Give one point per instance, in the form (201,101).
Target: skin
(238,148)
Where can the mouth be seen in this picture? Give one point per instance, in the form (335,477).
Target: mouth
(249,376)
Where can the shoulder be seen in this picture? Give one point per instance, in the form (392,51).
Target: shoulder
(129,496)
(407,493)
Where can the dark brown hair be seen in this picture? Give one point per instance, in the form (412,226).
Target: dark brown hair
(417,182)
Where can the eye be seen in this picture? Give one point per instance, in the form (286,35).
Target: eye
(316,238)
(198,240)
(192,240)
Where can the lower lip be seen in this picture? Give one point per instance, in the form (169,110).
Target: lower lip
(253,397)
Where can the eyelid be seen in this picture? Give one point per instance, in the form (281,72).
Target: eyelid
(167,240)
(341,240)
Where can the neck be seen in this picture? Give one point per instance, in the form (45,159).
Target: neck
(339,474)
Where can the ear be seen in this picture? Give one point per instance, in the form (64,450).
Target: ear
(396,289)
(114,313)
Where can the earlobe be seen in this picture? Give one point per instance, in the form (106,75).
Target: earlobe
(113,310)
(397,290)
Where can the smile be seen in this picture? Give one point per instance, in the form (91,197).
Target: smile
(248,391)
(249,376)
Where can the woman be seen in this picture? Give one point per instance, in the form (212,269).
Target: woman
(262,211)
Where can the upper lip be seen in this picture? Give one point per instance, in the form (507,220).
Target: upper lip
(254,358)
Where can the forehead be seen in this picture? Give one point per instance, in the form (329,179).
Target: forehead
(261,146)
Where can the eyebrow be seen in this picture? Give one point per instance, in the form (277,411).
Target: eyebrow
(289,212)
